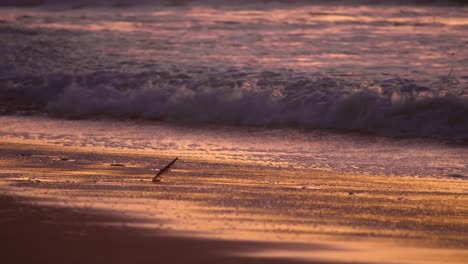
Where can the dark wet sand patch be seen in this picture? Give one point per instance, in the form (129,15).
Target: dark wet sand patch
(47,234)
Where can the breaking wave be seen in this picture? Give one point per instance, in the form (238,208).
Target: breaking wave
(393,107)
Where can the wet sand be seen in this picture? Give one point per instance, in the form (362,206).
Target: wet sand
(62,204)
(44,234)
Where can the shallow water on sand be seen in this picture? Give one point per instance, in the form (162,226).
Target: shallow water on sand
(281,148)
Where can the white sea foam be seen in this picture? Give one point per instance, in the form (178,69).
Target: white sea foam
(393,107)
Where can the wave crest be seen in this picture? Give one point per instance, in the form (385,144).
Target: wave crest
(393,107)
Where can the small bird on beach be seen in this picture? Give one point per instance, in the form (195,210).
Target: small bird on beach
(157,178)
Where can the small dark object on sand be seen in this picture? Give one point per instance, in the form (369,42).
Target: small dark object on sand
(64,159)
(117,165)
(457,176)
(157,178)
(350,193)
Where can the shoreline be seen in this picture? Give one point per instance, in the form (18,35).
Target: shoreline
(243,146)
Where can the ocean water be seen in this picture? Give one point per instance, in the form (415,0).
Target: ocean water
(288,79)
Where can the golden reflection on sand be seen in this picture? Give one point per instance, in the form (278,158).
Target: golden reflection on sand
(369,217)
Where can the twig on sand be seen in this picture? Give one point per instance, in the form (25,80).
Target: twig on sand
(157,178)
(449,75)
(446,80)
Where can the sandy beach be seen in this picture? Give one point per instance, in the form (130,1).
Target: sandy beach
(67,204)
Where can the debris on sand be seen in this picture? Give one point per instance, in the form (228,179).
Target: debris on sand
(62,159)
(456,176)
(157,178)
(117,165)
